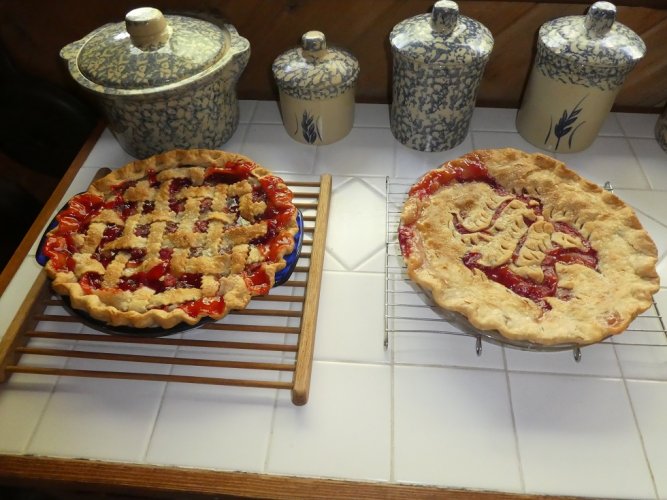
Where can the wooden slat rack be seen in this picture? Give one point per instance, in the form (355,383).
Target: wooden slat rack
(269,345)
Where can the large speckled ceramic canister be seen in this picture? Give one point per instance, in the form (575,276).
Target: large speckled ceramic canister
(317,86)
(438,62)
(581,64)
(163,82)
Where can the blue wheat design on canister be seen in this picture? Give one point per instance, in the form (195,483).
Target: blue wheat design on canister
(565,125)
(309,128)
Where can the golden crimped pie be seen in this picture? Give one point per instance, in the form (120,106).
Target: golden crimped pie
(177,237)
(520,245)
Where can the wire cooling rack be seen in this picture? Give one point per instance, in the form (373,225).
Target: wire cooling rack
(408,309)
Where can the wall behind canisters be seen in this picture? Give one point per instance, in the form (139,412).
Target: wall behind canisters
(33,41)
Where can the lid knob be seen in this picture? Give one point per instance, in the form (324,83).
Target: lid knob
(147,27)
(444,16)
(600,18)
(314,44)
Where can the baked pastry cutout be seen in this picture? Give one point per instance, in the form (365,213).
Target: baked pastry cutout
(174,238)
(521,245)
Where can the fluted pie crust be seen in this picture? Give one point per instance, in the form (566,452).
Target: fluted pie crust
(521,245)
(177,237)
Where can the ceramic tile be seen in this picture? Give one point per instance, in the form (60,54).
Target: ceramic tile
(98,419)
(363,152)
(354,235)
(651,203)
(246,110)
(488,140)
(662,272)
(599,359)
(653,160)
(331,263)
(107,153)
(611,127)
(269,112)
(411,164)
(458,422)
(266,144)
(637,124)
(642,349)
(444,349)
(657,231)
(493,120)
(226,427)
(343,335)
(374,264)
(608,159)
(344,429)
(649,400)
(235,142)
(371,115)
(22,402)
(24,397)
(564,422)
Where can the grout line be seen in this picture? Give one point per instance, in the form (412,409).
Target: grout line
(637,427)
(638,162)
(517,447)
(160,405)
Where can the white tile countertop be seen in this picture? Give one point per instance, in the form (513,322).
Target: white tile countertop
(427,410)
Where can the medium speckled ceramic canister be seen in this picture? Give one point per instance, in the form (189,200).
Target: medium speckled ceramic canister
(317,87)
(163,82)
(438,62)
(581,64)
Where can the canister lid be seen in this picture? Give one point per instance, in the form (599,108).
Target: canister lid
(442,37)
(148,50)
(595,39)
(314,70)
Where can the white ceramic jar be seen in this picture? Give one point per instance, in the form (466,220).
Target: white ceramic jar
(581,64)
(438,61)
(317,88)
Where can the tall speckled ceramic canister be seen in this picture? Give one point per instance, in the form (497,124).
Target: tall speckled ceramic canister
(438,62)
(317,87)
(581,64)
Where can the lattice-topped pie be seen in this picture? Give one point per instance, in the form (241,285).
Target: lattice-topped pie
(520,245)
(177,237)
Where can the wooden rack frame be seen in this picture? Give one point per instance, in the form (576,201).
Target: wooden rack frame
(280,325)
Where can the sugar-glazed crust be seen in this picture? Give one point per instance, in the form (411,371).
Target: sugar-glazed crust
(174,238)
(521,245)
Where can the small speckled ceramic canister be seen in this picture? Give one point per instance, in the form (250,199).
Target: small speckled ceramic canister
(316,85)
(438,61)
(581,64)
(163,82)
